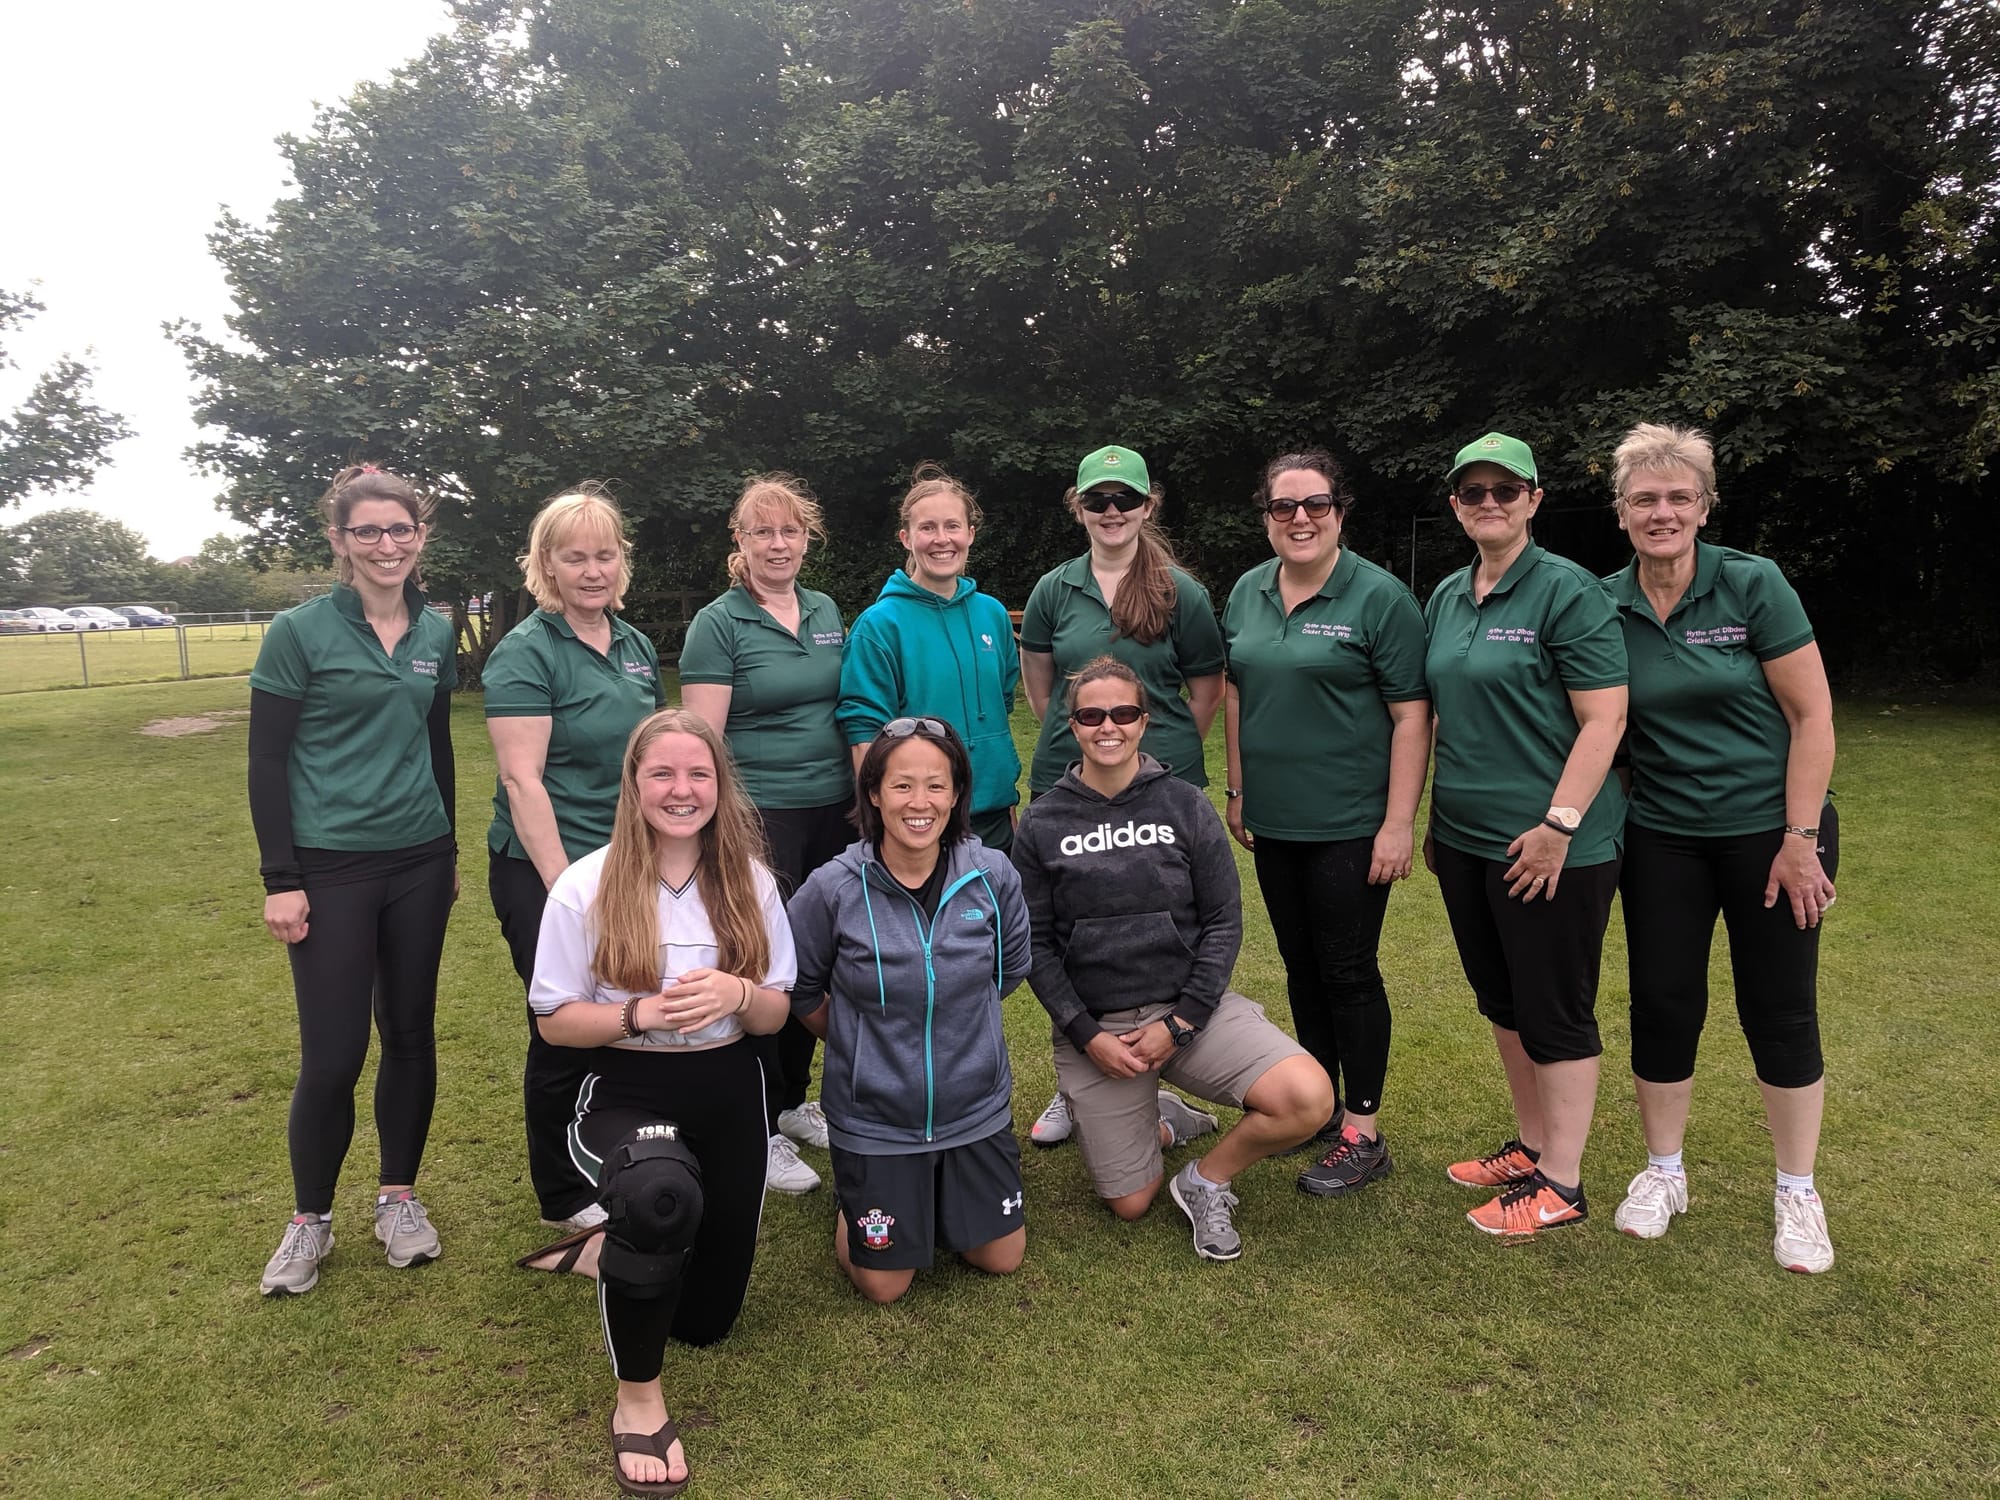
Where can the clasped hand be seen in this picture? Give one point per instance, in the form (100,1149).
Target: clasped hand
(699,998)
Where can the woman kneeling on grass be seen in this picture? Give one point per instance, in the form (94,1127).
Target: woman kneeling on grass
(907,942)
(1137,916)
(658,952)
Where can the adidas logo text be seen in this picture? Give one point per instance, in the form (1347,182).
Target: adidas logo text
(1104,837)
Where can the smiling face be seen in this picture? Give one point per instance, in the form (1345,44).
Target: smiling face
(677,786)
(915,796)
(938,536)
(1304,541)
(1662,531)
(1495,527)
(588,569)
(384,563)
(1107,746)
(1112,529)
(774,545)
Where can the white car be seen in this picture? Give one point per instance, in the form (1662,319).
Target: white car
(39,617)
(95,617)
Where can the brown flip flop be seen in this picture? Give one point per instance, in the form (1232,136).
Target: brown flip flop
(655,1443)
(571,1245)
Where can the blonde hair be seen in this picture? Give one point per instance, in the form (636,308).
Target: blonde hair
(781,494)
(1144,608)
(1653,447)
(358,482)
(625,919)
(928,480)
(586,508)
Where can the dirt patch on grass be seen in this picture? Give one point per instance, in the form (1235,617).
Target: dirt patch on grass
(173,729)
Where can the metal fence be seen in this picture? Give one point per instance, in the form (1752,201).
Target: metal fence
(220,645)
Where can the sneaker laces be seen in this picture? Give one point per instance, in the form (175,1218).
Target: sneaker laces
(1798,1220)
(406,1216)
(784,1153)
(1497,1158)
(1058,1111)
(810,1111)
(1652,1188)
(299,1243)
(1211,1206)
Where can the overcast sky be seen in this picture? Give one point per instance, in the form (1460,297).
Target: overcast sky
(128,125)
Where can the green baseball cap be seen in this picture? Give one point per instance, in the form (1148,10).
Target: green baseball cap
(1513,455)
(1113,465)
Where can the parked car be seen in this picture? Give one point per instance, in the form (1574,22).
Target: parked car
(42,618)
(11,623)
(96,617)
(143,616)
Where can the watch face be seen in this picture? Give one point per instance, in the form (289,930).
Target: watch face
(1569,817)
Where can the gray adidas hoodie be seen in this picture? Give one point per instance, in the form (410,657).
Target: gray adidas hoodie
(1133,899)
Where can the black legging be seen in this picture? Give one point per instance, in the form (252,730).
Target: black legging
(372,944)
(801,839)
(1327,919)
(716,1097)
(551,1074)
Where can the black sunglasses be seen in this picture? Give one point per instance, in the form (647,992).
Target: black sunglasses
(902,729)
(1123,713)
(1097,502)
(1505,493)
(1313,505)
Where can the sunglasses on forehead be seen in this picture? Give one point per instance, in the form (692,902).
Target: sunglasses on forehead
(1099,501)
(902,729)
(1122,713)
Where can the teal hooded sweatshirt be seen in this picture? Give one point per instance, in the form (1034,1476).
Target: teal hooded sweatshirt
(912,652)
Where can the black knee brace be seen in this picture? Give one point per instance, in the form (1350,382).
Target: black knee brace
(651,1188)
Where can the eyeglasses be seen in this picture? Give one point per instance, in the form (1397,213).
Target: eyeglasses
(1123,713)
(1470,495)
(368,536)
(1313,505)
(1678,499)
(774,533)
(1097,502)
(902,729)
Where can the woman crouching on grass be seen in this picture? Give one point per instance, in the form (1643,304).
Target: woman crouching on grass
(1137,916)
(907,942)
(658,952)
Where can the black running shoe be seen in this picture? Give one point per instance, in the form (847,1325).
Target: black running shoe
(1349,1163)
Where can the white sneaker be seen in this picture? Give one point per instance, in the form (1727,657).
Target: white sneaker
(1053,1126)
(1182,1118)
(784,1172)
(1651,1201)
(806,1124)
(1801,1243)
(404,1227)
(294,1268)
(587,1217)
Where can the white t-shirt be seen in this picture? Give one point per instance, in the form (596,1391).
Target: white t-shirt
(687,941)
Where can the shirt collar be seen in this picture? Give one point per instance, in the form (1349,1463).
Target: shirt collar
(1624,584)
(556,620)
(347,599)
(1530,555)
(1344,568)
(1078,575)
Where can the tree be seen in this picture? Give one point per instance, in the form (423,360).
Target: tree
(57,438)
(76,557)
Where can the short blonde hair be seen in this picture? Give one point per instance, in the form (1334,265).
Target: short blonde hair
(782,495)
(1653,447)
(586,509)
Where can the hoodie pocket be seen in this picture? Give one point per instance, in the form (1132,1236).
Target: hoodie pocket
(1120,962)
(886,1088)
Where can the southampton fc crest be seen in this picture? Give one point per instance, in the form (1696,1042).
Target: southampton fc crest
(874,1227)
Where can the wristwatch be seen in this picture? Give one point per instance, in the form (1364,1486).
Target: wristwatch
(1179,1030)
(1564,820)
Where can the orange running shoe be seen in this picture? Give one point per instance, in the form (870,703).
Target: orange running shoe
(1512,1163)
(1528,1208)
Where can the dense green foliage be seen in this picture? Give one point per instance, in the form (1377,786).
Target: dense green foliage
(668,244)
(56,438)
(74,556)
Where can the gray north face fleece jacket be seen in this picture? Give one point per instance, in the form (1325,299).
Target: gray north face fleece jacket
(1133,899)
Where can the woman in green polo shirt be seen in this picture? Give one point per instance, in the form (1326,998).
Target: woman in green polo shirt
(1126,597)
(564,690)
(1527,673)
(352,796)
(1731,747)
(762,665)
(1327,731)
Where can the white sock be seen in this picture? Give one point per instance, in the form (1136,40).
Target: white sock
(1796,1182)
(1670,1164)
(1194,1171)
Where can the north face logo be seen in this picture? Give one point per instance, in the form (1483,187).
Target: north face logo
(1104,837)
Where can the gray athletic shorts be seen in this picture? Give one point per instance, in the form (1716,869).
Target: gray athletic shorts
(1118,1119)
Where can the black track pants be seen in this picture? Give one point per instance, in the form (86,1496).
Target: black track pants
(801,839)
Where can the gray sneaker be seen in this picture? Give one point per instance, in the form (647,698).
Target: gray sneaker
(1183,1119)
(295,1266)
(1207,1208)
(404,1229)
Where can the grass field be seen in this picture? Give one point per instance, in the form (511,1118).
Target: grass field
(1378,1346)
(29,663)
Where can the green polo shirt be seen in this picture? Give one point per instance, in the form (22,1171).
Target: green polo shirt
(783,688)
(1707,739)
(1068,619)
(1501,672)
(1313,690)
(360,774)
(540,670)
